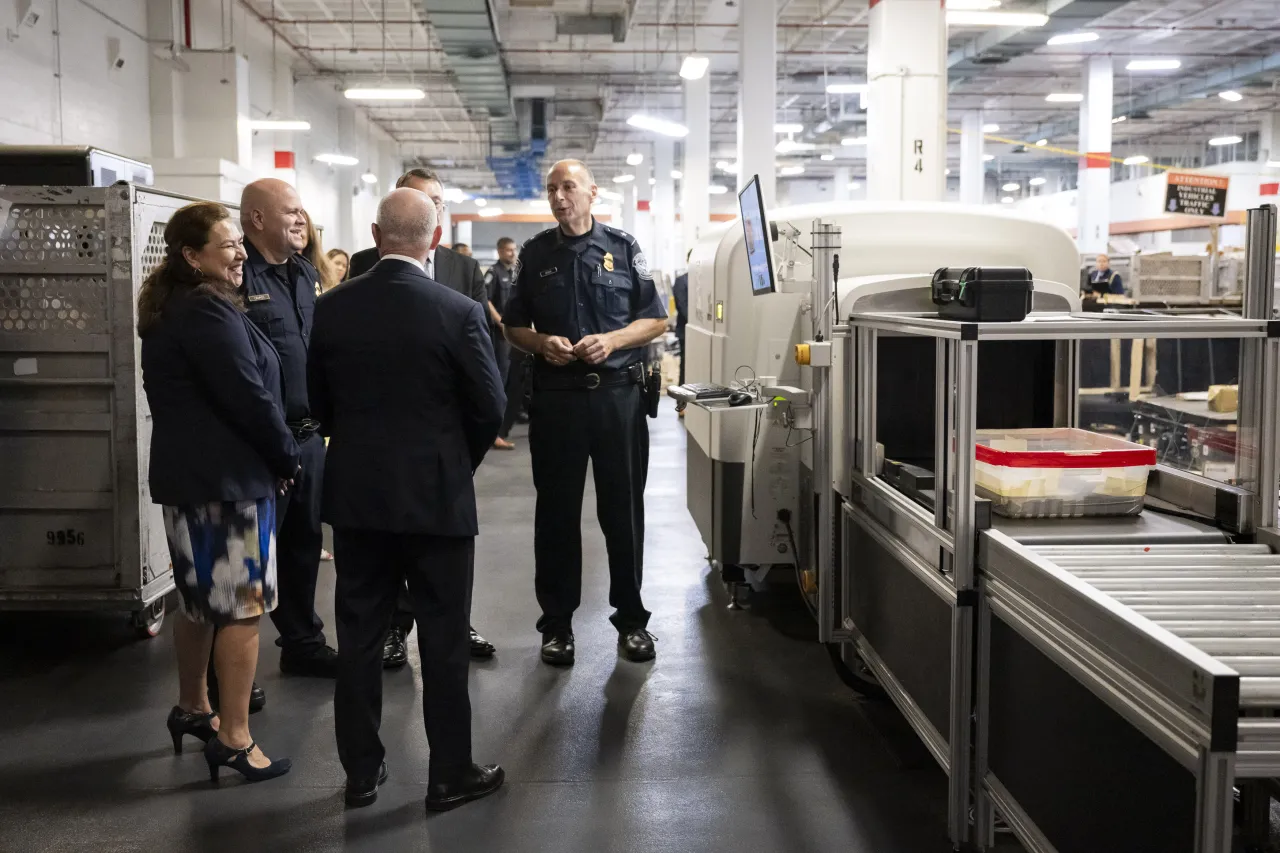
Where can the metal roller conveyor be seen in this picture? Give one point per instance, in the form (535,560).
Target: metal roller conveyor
(1205,584)
(1174,561)
(1192,596)
(1188,628)
(1208,612)
(1255,666)
(1242,645)
(1056,551)
(1259,692)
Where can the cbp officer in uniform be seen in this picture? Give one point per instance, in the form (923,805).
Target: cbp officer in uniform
(585,306)
(498,282)
(1103,279)
(280,299)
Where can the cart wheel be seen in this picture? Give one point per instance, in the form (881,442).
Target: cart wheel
(148,622)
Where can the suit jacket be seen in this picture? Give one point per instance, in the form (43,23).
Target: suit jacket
(456,272)
(213,383)
(402,376)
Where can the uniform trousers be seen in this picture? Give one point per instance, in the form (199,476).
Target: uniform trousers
(298,546)
(372,568)
(608,426)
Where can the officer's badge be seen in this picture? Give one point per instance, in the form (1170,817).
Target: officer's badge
(642,266)
(608,261)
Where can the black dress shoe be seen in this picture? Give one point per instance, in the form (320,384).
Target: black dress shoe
(637,645)
(481,649)
(257,697)
(218,755)
(363,792)
(395,653)
(192,723)
(478,780)
(320,663)
(557,648)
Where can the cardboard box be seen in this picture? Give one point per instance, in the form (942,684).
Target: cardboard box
(1224,398)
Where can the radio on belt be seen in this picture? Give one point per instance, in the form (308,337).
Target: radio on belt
(983,294)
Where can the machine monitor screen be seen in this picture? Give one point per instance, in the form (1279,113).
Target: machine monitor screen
(755,226)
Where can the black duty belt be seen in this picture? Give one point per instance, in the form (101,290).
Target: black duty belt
(633,375)
(303,429)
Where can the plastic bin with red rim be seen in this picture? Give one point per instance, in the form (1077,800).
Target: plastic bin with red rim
(1061,473)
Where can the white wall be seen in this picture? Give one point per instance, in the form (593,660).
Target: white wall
(111,109)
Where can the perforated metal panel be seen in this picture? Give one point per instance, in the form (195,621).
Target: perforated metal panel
(1166,276)
(69,234)
(40,304)
(153,251)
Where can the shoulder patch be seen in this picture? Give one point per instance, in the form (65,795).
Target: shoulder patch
(641,264)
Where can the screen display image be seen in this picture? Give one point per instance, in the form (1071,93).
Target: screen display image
(755,227)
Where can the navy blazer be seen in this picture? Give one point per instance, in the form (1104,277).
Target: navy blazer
(402,378)
(213,384)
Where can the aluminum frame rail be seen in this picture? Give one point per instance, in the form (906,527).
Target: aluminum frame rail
(1172,690)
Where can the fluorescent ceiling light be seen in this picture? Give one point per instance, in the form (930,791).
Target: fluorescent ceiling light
(1231,96)
(1153,65)
(1040,143)
(1137,160)
(849,141)
(827,157)
(959,18)
(490,212)
(1119,119)
(385,94)
(1037,182)
(730,168)
(788,128)
(278,124)
(1073,38)
(1226,140)
(717,189)
(972,5)
(991,128)
(540,204)
(676,174)
(653,181)
(853,185)
(635,158)
(1064,98)
(790,171)
(453,195)
(987,158)
(369,178)
(846,88)
(336,159)
(694,67)
(1011,187)
(1007,200)
(481,202)
(624,179)
(657,125)
(609,194)
(946,171)
(788,146)
(1273,164)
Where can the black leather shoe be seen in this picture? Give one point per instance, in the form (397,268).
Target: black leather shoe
(321,663)
(637,645)
(257,697)
(197,725)
(395,653)
(481,649)
(218,755)
(364,792)
(478,780)
(557,648)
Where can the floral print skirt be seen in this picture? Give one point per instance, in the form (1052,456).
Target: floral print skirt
(224,558)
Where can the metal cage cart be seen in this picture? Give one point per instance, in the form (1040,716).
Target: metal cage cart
(78,527)
(1102,683)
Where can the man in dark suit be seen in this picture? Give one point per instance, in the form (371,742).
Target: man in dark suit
(462,274)
(401,374)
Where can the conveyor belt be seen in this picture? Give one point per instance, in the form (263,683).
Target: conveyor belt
(1222,599)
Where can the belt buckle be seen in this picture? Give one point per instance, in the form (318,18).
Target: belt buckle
(593,381)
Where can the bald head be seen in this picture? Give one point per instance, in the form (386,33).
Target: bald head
(407,224)
(272,218)
(571,190)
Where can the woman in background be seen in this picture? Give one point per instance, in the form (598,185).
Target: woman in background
(220,453)
(339,263)
(313,252)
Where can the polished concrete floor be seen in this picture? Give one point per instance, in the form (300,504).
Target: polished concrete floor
(740,737)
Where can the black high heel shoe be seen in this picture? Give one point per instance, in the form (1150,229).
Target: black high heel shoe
(197,725)
(218,755)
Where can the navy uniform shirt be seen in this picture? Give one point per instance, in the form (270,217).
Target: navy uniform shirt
(1106,282)
(579,286)
(281,301)
(498,282)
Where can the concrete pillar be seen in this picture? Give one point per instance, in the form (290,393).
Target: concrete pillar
(972,167)
(627,207)
(695,203)
(842,179)
(644,216)
(1094,204)
(1269,139)
(666,256)
(757,94)
(907,101)
(461,232)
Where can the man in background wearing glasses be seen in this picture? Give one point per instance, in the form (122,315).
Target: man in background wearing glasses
(456,272)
